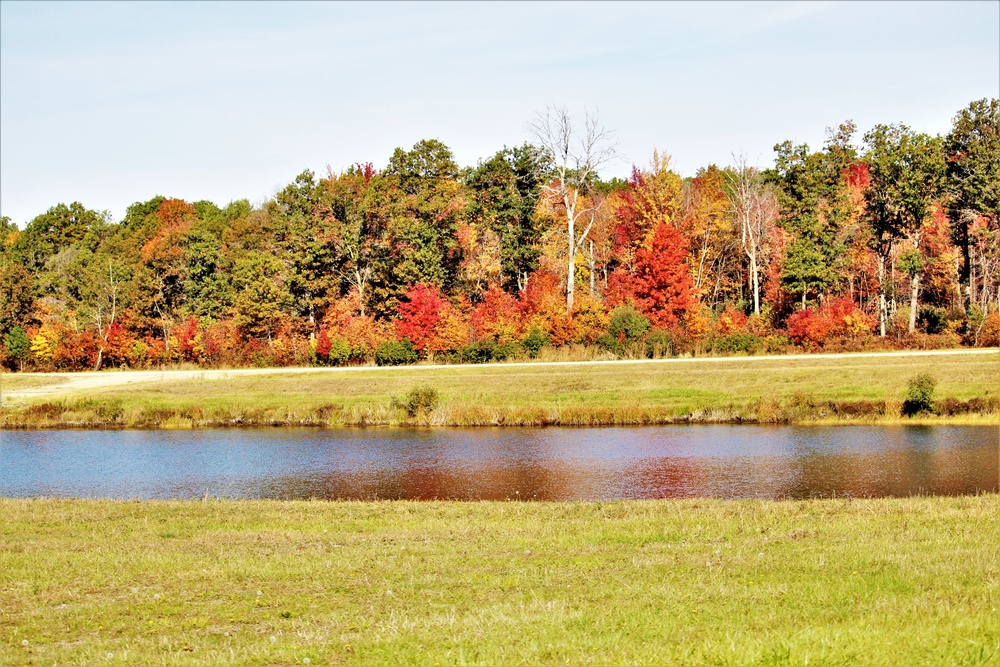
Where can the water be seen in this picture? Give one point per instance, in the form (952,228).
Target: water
(521,463)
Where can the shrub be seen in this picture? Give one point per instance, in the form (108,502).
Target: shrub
(932,320)
(609,343)
(505,351)
(919,394)
(659,344)
(627,324)
(421,401)
(339,352)
(739,342)
(989,333)
(534,341)
(808,327)
(395,353)
(478,352)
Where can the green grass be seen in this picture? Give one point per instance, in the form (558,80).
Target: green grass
(800,390)
(826,582)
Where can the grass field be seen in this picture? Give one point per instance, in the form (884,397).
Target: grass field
(874,582)
(793,389)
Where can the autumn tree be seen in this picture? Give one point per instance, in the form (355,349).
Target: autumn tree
(576,153)
(906,172)
(713,240)
(661,283)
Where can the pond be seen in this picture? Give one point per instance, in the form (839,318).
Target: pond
(767,462)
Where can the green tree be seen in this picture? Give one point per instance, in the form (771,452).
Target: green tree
(815,209)
(907,172)
(503,192)
(419,204)
(973,177)
(16,295)
(58,228)
(18,345)
(262,301)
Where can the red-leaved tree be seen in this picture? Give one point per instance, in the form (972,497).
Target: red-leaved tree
(661,284)
(419,314)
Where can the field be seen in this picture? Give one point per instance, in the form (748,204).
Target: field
(876,582)
(801,389)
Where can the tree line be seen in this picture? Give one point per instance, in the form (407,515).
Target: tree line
(890,240)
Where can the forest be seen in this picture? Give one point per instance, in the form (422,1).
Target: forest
(886,241)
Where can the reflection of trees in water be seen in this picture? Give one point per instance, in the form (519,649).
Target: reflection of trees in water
(552,482)
(566,464)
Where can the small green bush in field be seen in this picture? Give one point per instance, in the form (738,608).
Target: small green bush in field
(421,400)
(919,394)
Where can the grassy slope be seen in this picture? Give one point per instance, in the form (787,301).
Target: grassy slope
(875,582)
(796,389)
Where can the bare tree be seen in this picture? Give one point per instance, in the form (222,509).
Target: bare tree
(755,209)
(576,154)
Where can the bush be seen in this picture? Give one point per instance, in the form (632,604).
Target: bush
(395,353)
(659,344)
(505,351)
(339,352)
(421,401)
(932,320)
(919,394)
(739,342)
(627,325)
(478,352)
(534,341)
(609,343)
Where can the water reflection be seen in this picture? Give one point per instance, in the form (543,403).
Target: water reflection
(529,464)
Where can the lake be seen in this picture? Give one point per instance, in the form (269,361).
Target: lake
(768,462)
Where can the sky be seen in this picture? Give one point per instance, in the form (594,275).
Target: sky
(112,103)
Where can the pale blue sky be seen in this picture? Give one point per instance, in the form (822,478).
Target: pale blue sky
(112,103)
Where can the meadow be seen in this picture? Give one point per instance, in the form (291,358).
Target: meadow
(911,581)
(799,389)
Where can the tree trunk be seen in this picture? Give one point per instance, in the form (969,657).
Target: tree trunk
(593,269)
(881,295)
(571,267)
(914,290)
(756,284)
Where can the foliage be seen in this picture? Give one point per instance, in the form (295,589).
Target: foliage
(661,286)
(534,340)
(919,394)
(420,401)
(17,344)
(477,263)
(395,353)
(627,325)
